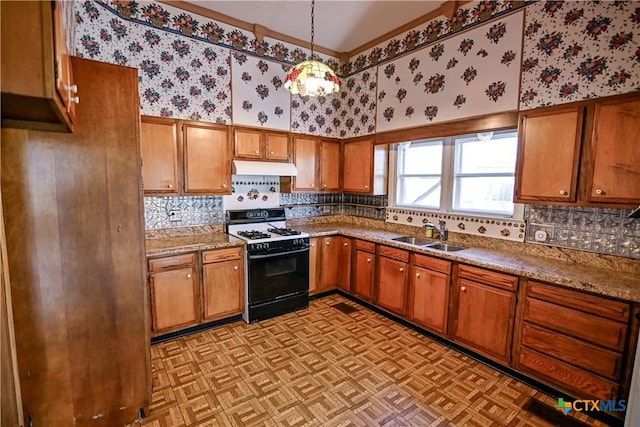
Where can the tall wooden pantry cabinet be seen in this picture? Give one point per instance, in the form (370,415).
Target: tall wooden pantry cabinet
(72,205)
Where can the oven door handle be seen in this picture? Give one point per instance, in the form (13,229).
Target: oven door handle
(278,254)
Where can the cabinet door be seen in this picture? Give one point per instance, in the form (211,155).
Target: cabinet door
(615,153)
(223,285)
(357,169)
(548,155)
(484,319)
(330,166)
(392,285)
(159,150)
(429,298)
(247,144)
(330,264)
(305,152)
(276,146)
(174,299)
(207,163)
(314,260)
(363,275)
(344,259)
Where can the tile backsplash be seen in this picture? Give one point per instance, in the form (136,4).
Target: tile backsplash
(606,231)
(192,210)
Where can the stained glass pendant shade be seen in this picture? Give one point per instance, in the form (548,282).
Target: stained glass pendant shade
(311,77)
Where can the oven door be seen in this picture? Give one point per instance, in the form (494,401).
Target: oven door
(276,276)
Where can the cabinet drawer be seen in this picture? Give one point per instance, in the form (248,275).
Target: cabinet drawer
(430,263)
(578,353)
(394,253)
(604,307)
(584,384)
(171,261)
(365,246)
(584,326)
(489,277)
(222,255)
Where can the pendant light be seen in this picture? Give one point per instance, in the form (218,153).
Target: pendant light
(311,77)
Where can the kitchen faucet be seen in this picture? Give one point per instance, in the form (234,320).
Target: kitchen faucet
(442,231)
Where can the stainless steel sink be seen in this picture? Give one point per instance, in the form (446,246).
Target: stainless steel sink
(418,241)
(445,247)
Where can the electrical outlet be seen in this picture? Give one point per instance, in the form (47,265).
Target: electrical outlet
(540,232)
(175,216)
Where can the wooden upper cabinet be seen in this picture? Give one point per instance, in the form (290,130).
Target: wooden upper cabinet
(305,157)
(357,172)
(260,144)
(548,155)
(276,146)
(330,166)
(159,150)
(207,160)
(247,144)
(38,91)
(614,152)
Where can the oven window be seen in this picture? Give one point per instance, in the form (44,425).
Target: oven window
(280,266)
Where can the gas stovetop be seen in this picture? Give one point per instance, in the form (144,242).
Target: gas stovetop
(261,225)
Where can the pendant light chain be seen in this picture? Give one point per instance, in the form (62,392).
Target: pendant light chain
(313,4)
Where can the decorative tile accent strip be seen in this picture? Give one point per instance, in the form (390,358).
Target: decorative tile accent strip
(605,231)
(253,192)
(506,229)
(193,210)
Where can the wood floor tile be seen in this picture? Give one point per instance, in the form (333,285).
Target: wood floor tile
(321,366)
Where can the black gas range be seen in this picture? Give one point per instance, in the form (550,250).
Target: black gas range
(277,262)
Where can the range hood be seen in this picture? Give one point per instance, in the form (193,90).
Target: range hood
(250,167)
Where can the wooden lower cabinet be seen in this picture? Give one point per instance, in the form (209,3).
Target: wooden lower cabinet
(314,264)
(575,342)
(336,263)
(393,280)
(429,284)
(173,285)
(484,314)
(363,271)
(222,283)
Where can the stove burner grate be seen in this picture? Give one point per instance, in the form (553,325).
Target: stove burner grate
(253,234)
(284,231)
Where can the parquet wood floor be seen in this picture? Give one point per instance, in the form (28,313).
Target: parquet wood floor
(322,367)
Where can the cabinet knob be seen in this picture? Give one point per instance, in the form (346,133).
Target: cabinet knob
(366,187)
(271,152)
(224,185)
(324,185)
(401,269)
(74,99)
(169,185)
(189,276)
(327,243)
(72,88)
(345,244)
(599,191)
(368,259)
(563,192)
(418,275)
(463,288)
(235,268)
(313,245)
(257,152)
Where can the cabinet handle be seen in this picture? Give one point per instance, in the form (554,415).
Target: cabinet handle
(368,259)
(599,191)
(189,276)
(235,268)
(463,288)
(345,244)
(75,99)
(563,192)
(418,275)
(224,185)
(72,88)
(401,269)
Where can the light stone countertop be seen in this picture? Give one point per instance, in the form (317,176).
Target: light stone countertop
(168,246)
(579,276)
(576,275)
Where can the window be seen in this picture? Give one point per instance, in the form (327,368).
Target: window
(466,174)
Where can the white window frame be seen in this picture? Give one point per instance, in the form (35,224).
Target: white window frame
(449,164)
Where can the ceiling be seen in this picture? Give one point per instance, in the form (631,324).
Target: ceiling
(340,25)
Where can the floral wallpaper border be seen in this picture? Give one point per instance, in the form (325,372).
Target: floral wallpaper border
(506,229)
(466,17)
